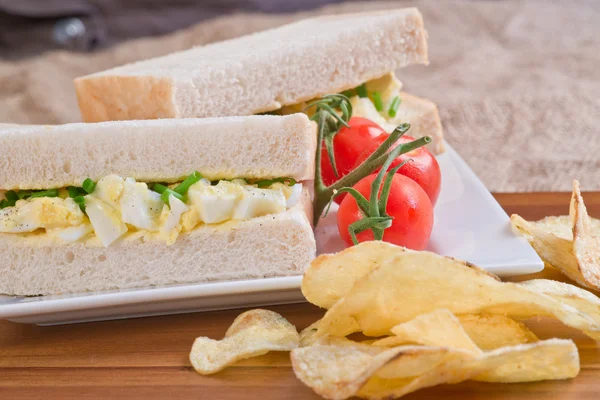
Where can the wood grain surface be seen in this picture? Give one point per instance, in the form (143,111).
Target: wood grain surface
(148,357)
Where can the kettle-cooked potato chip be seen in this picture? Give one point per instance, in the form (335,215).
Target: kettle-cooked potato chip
(473,332)
(561,226)
(438,328)
(330,276)
(550,359)
(546,359)
(342,371)
(554,250)
(252,334)
(586,244)
(415,283)
(492,331)
(307,335)
(570,244)
(568,294)
(339,371)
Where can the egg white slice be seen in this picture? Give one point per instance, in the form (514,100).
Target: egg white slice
(109,189)
(140,206)
(105,220)
(215,203)
(257,202)
(71,234)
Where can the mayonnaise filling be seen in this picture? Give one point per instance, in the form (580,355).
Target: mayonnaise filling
(118,206)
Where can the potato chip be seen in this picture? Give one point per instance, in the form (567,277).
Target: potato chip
(554,250)
(492,331)
(562,226)
(438,328)
(307,335)
(551,359)
(336,371)
(586,245)
(568,294)
(571,244)
(557,225)
(253,333)
(342,371)
(418,360)
(308,338)
(469,332)
(342,270)
(339,371)
(452,367)
(546,359)
(415,283)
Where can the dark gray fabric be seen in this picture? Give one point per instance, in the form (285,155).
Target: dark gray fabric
(28,27)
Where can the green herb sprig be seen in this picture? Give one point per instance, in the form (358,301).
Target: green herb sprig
(80,200)
(184,186)
(45,193)
(394,106)
(12,196)
(89,185)
(165,192)
(361,90)
(377,102)
(265,183)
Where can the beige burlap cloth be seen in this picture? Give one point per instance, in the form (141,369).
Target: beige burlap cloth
(517,83)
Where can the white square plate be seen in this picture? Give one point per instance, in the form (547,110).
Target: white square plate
(469,225)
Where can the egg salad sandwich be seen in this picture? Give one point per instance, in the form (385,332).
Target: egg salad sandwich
(126,204)
(277,71)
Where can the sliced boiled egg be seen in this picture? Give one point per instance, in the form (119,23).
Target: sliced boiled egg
(140,206)
(294,196)
(41,212)
(215,204)
(364,107)
(292,193)
(109,190)
(257,202)
(105,220)
(71,234)
(171,217)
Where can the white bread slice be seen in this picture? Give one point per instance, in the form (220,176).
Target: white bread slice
(259,72)
(273,245)
(424,120)
(6,125)
(261,146)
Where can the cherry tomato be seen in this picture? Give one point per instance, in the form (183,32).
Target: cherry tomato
(348,144)
(409,206)
(423,169)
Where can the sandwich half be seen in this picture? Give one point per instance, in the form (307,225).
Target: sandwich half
(125,204)
(276,71)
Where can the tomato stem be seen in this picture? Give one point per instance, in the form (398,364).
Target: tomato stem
(376,224)
(330,122)
(387,186)
(361,201)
